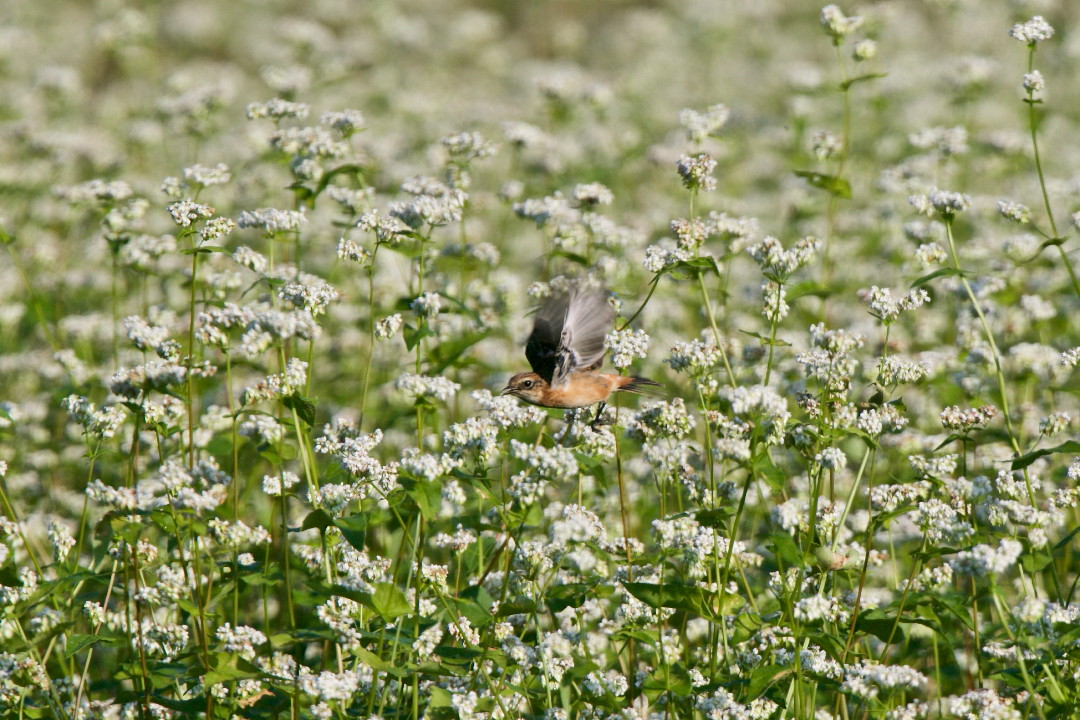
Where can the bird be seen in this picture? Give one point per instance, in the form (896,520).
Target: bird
(565,350)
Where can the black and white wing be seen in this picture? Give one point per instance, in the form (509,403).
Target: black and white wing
(568,335)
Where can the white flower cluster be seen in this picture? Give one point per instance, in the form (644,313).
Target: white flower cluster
(277,109)
(668,419)
(886,418)
(241,640)
(1033,31)
(659,258)
(555,463)
(206,176)
(837,24)
(427,466)
(887,308)
(505,411)
(775,307)
(983,560)
(353,450)
(466,146)
(778,263)
(700,125)
(385,228)
(967,419)
(625,345)
(237,534)
(474,437)
(104,192)
(576,525)
(272,220)
(305,143)
(868,679)
(278,385)
(185,212)
(309,293)
(387,327)
(554,210)
(345,122)
(894,370)
(151,337)
(936,467)
(696,357)
(759,402)
(427,305)
(944,202)
(434,204)
(458,542)
(696,172)
(437,387)
(592,194)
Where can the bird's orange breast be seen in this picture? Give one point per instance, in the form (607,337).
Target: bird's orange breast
(582,390)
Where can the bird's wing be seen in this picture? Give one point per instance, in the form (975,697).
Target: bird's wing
(568,335)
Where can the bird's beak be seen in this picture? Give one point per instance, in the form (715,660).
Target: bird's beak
(506,390)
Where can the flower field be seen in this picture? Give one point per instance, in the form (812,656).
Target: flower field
(266,268)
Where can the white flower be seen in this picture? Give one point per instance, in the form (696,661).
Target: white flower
(1032,31)
(626,345)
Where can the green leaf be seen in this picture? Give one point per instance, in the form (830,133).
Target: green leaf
(354,529)
(861,78)
(370,658)
(1023,461)
(880,624)
(303,407)
(715,519)
(1035,560)
(690,598)
(560,597)
(426,495)
(204,250)
(835,186)
(77,643)
(953,437)
(520,605)
(276,456)
(783,545)
(673,680)
(447,352)
(227,669)
(390,602)
(348,168)
(941,272)
(317,519)
(693,267)
(572,257)
(761,678)
(766,340)
(808,288)
(415,335)
(439,697)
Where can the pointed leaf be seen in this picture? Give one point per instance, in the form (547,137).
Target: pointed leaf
(1023,461)
(390,602)
(861,78)
(835,186)
(941,272)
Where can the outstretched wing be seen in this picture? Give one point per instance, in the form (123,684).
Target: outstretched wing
(568,335)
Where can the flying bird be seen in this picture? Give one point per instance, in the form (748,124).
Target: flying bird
(565,350)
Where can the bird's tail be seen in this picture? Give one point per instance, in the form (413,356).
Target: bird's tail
(639,385)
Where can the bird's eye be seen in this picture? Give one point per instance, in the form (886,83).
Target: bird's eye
(527,384)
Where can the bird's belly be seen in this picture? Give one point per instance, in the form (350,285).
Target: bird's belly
(581,391)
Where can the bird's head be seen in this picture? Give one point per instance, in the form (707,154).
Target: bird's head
(528,386)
